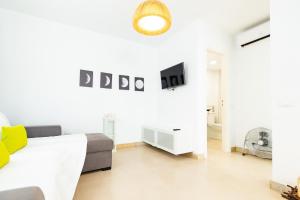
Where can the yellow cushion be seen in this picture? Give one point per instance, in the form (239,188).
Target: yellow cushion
(14,138)
(4,155)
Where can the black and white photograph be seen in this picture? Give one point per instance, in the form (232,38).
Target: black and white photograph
(139,84)
(86,78)
(106,80)
(124,82)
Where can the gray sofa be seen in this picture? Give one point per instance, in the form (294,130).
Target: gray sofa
(28,193)
(99,146)
(98,157)
(98,153)
(43,131)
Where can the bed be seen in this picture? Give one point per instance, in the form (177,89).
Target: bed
(53,164)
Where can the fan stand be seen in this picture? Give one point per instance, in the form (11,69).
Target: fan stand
(244,153)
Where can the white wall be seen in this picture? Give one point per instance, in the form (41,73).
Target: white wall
(185,107)
(251,90)
(39,77)
(40,62)
(285,62)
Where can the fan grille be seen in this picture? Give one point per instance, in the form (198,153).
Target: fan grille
(258,142)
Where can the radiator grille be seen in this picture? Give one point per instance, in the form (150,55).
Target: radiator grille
(165,140)
(149,135)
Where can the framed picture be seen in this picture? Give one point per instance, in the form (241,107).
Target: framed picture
(86,78)
(106,80)
(139,84)
(123,82)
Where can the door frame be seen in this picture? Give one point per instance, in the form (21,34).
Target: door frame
(225,115)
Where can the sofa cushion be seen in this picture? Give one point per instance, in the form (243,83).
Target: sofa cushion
(3,122)
(43,131)
(4,155)
(97,142)
(14,138)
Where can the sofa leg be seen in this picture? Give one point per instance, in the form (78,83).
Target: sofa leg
(106,168)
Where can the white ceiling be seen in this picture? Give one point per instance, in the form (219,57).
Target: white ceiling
(114,16)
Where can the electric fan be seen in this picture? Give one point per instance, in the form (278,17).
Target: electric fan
(258,142)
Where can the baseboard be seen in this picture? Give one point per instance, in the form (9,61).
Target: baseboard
(277,186)
(239,150)
(137,144)
(129,145)
(194,156)
(273,185)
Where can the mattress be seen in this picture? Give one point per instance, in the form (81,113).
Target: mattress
(52,163)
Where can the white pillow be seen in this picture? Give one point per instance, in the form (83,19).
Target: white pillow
(3,122)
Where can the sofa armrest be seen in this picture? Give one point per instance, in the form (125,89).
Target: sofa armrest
(43,131)
(28,193)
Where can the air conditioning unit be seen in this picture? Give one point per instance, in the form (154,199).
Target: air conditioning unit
(254,35)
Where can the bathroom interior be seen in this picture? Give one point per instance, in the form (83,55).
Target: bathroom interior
(214,95)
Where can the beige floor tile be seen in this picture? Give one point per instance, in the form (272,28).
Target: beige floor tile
(150,174)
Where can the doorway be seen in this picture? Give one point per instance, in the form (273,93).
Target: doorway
(215,100)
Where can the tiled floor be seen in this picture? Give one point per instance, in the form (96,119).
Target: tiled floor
(145,173)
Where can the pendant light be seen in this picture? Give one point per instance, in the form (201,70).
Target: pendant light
(152,17)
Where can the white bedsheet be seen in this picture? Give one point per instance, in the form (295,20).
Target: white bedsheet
(52,163)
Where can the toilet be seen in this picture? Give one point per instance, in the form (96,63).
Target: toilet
(214,130)
(211,121)
(211,118)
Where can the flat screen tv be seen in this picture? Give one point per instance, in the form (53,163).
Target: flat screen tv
(173,76)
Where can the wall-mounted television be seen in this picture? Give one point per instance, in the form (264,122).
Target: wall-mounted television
(173,76)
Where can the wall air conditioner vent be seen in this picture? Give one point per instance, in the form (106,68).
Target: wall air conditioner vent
(254,35)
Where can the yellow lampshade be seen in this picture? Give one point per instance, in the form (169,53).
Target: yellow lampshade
(152,17)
